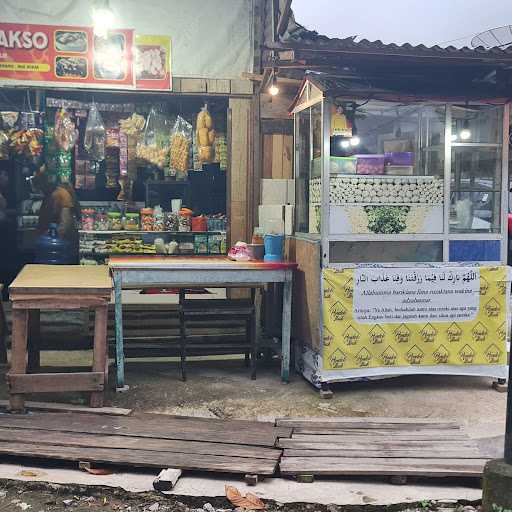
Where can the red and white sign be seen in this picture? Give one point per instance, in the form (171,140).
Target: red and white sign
(65,54)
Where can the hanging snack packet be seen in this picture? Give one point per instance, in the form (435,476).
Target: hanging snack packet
(154,146)
(95,135)
(65,131)
(205,135)
(181,139)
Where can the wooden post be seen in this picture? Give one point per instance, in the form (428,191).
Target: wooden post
(99,352)
(34,339)
(183,336)
(3,331)
(18,353)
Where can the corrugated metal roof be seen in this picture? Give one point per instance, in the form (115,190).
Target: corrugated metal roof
(298,36)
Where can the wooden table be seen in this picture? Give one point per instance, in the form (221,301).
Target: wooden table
(198,271)
(56,287)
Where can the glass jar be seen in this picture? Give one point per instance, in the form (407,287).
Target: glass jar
(159,220)
(184,222)
(114,221)
(88,218)
(172,221)
(101,222)
(147,219)
(131,221)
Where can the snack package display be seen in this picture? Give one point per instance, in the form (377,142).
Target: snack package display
(94,140)
(65,131)
(205,135)
(181,139)
(154,146)
(134,125)
(239,252)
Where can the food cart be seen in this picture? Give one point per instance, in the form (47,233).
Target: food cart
(401,232)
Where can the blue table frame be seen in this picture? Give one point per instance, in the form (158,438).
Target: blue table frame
(208,271)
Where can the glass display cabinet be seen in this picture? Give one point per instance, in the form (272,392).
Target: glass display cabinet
(400,185)
(400,182)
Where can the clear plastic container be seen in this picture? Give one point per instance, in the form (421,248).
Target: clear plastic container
(88,218)
(131,222)
(147,220)
(114,221)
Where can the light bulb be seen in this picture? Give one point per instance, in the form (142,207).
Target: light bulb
(345,144)
(355,141)
(465,134)
(273,90)
(454,137)
(102,19)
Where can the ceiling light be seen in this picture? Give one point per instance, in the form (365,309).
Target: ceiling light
(273,89)
(454,137)
(102,18)
(465,133)
(345,143)
(355,140)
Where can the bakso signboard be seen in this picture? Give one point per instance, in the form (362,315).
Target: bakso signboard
(66,55)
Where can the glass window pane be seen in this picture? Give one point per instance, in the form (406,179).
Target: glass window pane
(477,123)
(475,196)
(475,250)
(316,170)
(392,182)
(385,252)
(302,179)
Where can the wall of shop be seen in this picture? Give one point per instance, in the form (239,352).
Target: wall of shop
(212,39)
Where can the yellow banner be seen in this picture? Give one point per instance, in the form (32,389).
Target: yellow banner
(372,341)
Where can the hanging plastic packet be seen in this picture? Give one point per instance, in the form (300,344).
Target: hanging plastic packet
(65,131)
(181,139)
(95,135)
(26,137)
(154,146)
(205,135)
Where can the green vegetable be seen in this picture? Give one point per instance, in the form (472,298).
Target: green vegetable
(387,219)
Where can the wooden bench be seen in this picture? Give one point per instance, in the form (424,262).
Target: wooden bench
(57,287)
(248,309)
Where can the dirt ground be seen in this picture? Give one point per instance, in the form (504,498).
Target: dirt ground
(43,497)
(223,389)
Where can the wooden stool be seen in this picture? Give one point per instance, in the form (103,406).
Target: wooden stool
(3,330)
(57,287)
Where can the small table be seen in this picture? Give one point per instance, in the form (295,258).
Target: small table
(198,271)
(56,287)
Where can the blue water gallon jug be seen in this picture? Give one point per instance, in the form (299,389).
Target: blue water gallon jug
(52,250)
(273,247)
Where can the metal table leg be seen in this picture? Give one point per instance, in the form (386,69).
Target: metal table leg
(120,385)
(286,332)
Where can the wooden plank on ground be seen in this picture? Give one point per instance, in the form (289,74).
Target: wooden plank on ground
(432,452)
(419,433)
(343,440)
(57,407)
(42,437)
(165,427)
(377,466)
(372,444)
(366,422)
(141,458)
(55,382)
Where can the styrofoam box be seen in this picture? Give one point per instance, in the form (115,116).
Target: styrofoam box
(274,191)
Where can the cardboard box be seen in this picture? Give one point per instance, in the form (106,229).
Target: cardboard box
(289,219)
(275,191)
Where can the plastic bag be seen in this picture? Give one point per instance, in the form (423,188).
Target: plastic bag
(154,146)
(95,135)
(65,131)
(205,135)
(181,139)
(239,252)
